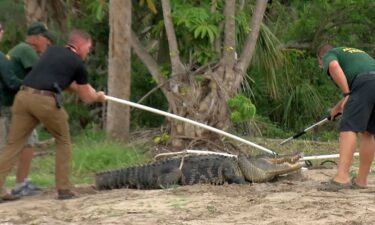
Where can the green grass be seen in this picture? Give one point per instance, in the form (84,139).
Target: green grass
(91,153)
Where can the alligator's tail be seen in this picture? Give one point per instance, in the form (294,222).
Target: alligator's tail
(149,176)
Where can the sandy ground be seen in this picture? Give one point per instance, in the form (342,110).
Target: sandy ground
(293,199)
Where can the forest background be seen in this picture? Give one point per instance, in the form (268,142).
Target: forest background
(281,92)
(283,84)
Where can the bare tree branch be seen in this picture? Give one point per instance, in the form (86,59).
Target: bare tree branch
(249,47)
(297,45)
(177,67)
(153,68)
(242,4)
(147,59)
(151,92)
(35,10)
(43,10)
(229,38)
(217,42)
(59,13)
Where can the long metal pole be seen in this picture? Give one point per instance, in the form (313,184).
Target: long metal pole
(304,131)
(309,128)
(313,157)
(157,111)
(135,105)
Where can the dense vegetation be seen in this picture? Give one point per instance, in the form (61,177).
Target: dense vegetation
(284,85)
(284,82)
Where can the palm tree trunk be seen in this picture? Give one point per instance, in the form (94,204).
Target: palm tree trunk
(251,40)
(119,67)
(35,10)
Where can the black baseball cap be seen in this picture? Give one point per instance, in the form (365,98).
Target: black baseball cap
(38,28)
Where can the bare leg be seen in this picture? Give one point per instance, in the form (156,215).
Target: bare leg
(347,148)
(24,164)
(367,148)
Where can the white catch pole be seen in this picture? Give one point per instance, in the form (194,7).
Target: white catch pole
(157,111)
(196,152)
(313,157)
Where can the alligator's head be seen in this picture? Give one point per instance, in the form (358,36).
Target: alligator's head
(262,169)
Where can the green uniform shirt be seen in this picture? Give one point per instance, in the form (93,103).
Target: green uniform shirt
(22,57)
(9,83)
(352,61)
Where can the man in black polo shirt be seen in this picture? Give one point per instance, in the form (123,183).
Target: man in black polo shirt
(59,68)
(22,58)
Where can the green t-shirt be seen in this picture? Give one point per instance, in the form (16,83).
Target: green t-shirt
(23,57)
(352,61)
(9,83)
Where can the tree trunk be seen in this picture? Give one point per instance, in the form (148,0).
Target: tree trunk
(204,101)
(119,67)
(251,40)
(36,10)
(41,10)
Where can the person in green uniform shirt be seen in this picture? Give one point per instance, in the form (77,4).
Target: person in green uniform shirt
(8,81)
(22,58)
(59,68)
(353,71)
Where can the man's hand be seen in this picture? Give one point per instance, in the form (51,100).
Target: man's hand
(334,112)
(337,110)
(100,96)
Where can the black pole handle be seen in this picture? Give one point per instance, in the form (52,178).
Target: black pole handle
(329,117)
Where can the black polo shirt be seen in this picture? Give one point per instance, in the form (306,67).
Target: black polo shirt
(57,65)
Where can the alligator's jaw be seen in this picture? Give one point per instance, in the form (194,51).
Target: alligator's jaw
(263,169)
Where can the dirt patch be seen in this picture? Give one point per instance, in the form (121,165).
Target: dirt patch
(293,199)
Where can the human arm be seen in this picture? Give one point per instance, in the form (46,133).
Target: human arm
(87,93)
(8,78)
(28,58)
(72,87)
(339,78)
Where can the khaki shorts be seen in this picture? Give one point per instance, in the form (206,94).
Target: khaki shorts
(5,119)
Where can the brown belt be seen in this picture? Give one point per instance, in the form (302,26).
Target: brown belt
(36,91)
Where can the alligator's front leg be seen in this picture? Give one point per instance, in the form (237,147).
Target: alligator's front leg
(231,177)
(169,177)
(265,169)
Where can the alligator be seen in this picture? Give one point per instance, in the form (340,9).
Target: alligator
(195,169)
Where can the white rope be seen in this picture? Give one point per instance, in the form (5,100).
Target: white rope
(198,152)
(135,105)
(157,111)
(204,152)
(313,157)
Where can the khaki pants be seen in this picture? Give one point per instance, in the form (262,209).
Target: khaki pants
(28,111)
(5,119)
(3,133)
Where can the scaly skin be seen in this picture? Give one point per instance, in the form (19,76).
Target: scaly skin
(211,169)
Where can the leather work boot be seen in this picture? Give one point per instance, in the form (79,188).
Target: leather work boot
(65,194)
